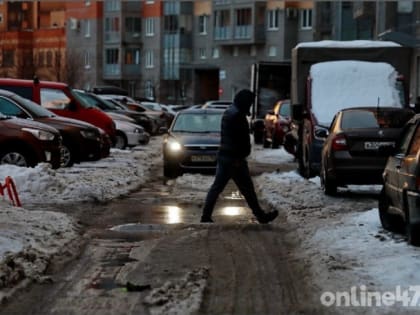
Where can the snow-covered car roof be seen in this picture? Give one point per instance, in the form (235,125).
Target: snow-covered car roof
(348,44)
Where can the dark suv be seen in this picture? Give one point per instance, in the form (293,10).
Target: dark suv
(81,141)
(399,202)
(27,143)
(358,145)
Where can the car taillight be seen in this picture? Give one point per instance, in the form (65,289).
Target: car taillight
(339,143)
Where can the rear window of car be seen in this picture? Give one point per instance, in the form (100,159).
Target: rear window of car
(360,119)
(24,91)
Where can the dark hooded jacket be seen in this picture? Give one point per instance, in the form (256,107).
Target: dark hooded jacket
(235,139)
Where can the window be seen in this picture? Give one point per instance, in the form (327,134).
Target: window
(87,28)
(272,51)
(202,24)
(87,59)
(216,53)
(132,56)
(273,19)
(253,51)
(150,26)
(149,59)
(49,59)
(112,56)
(53,98)
(171,24)
(112,5)
(306,19)
(133,25)
(202,53)
(41,58)
(9,108)
(87,3)
(112,24)
(8,58)
(150,90)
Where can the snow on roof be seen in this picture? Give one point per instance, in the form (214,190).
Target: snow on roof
(348,44)
(341,84)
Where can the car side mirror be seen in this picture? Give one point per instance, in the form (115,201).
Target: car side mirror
(321,133)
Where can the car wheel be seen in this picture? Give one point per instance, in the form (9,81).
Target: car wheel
(121,141)
(171,170)
(390,222)
(16,157)
(275,143)
(67,159)
(328,185)
(266,143)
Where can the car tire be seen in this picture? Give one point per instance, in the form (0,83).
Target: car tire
(67,158)
(266,143)
(328,185)
(275,143)
(171,170)
(390,222)
(121,141)
(17,157)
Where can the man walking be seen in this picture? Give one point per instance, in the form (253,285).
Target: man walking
(235,146)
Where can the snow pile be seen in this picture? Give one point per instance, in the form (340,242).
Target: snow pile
(101,180)
(348,44)
(179,297)
(342,84)
(29,240)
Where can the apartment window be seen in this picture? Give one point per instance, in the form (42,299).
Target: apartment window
(150,1)
(133,25)
(273,19)
(112,24)
(132,56)
(171,24)
(149,59)
(112,5)
(150,90)
(272,51)
(202,53)
(235,51)
(41,59)
(253,51)
(87,59)
(202,24)
(112,56)
(306,19)
(216,53)
(87,28)
(49,59)
(8,58)
(150,26)
(87,3)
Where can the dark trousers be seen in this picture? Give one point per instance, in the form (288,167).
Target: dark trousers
(237,170)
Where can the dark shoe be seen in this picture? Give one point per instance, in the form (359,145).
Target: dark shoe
(206,220)
(267,217)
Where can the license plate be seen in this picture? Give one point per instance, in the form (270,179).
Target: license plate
(203,158)
(374,145)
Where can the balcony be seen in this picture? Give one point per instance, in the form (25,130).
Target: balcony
(112,37)
(132,37)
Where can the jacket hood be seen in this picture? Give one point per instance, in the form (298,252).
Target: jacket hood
(243,101)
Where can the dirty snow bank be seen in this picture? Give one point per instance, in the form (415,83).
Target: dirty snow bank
(29,240)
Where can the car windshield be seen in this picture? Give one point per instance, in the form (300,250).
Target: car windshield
(34,108)
(359,119)
(94,101)
(198,122)
(82,100)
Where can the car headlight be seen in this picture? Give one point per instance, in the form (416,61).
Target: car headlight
(40,134)
(138,130)
(89,134)
(174,146)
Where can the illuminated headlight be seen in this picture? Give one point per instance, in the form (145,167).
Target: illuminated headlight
(40,134)
(89,134)
(174,146)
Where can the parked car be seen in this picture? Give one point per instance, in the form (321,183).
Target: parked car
(357,147)
(26,143)
(192,142)
(115,111)
(128,133)
(217,104)
(277,124)
(81,141)
(168,116)
(156,119)
(399,201)
(59,98)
